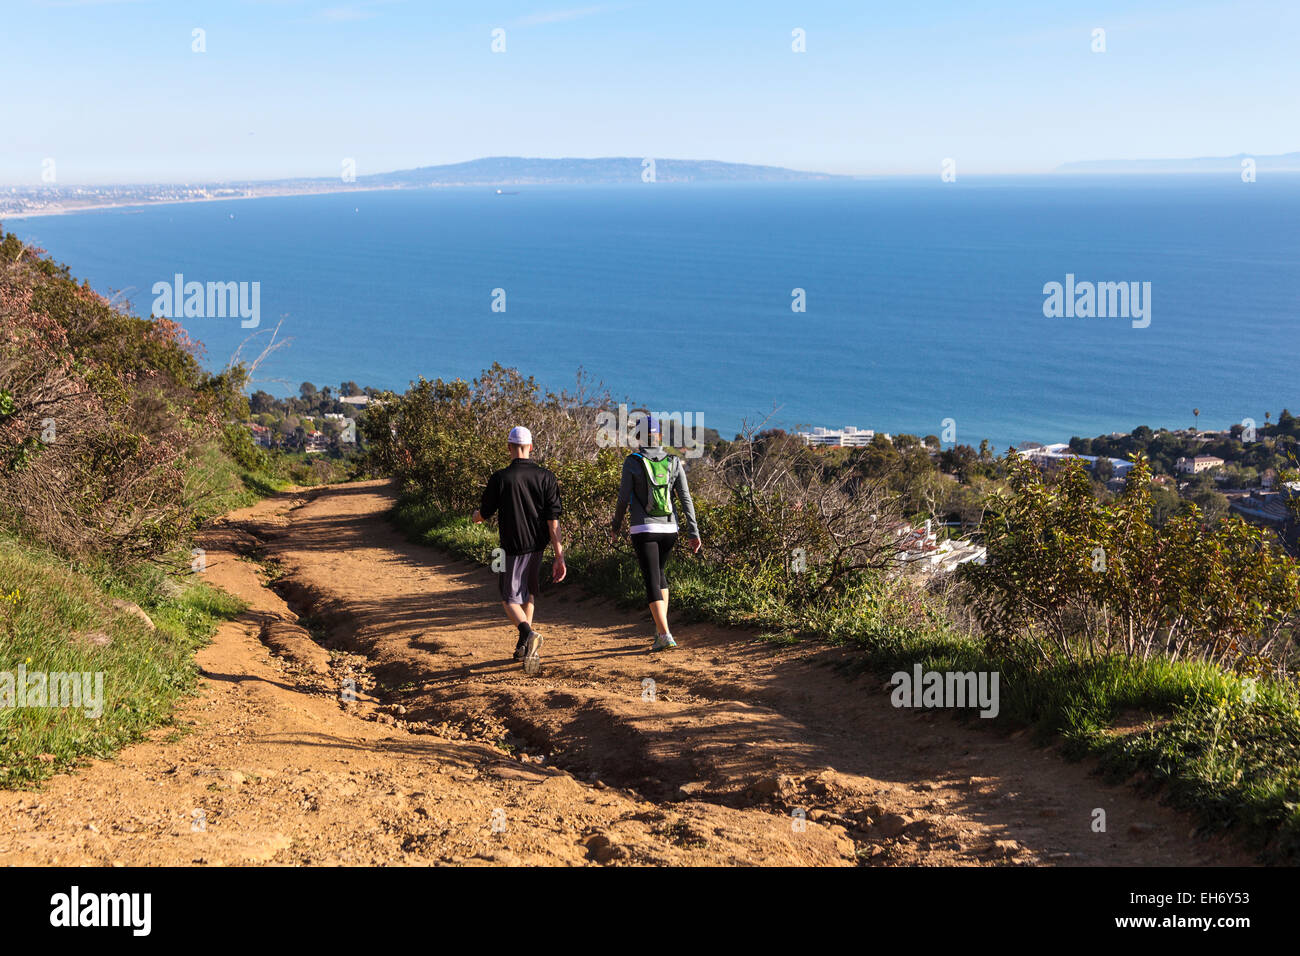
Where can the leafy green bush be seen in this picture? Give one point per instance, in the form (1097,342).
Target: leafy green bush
(1073,577)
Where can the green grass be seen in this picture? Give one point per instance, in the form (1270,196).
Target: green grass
(46,610)
(48,606)
(217,484)
(1215,743)
(1233,761)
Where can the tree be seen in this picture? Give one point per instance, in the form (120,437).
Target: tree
(879,458)
(1287,424)
(1213,505)
(261,403)
(1165,503)
(959,460)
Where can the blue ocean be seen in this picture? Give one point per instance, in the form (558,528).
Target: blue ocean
(923,300)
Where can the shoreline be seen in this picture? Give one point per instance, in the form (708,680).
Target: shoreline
(65,210)
(96,207)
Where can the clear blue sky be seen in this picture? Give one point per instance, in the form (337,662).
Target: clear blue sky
(111,90)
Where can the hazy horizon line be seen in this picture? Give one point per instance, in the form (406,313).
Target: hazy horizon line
(1058,169)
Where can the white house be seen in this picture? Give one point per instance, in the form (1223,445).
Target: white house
(847,437)
(1061,452)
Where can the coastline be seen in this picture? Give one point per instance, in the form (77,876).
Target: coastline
(64,210)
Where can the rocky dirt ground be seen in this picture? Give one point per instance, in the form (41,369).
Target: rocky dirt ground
(730,750)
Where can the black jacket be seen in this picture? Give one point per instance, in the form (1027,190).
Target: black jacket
(526,496)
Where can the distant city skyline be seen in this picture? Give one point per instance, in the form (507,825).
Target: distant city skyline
(114,91)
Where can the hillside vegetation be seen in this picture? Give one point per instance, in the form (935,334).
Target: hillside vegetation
(114,446)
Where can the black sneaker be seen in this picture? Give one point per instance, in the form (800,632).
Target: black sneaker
(532,653)
(519,648)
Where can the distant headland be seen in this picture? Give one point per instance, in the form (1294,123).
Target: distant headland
(1278,163)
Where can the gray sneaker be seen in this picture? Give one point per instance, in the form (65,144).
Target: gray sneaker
(663,642)
(532,653)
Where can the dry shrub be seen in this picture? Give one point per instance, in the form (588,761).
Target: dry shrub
(100,413)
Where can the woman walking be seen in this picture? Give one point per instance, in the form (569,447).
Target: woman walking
(652,478)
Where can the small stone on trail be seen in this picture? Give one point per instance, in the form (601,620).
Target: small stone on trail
(892,824)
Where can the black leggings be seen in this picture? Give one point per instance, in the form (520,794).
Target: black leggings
(652,554)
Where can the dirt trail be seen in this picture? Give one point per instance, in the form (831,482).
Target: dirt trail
(451,754)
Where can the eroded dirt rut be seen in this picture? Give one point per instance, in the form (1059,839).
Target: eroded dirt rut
(451,754)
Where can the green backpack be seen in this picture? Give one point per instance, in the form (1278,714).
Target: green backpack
(659,475)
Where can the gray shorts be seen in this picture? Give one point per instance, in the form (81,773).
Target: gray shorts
(520,580)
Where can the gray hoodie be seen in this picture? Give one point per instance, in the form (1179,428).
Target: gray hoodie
(634,489)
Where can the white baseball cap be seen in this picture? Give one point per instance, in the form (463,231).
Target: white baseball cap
(519,435)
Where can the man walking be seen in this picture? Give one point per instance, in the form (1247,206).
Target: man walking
(526,499)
